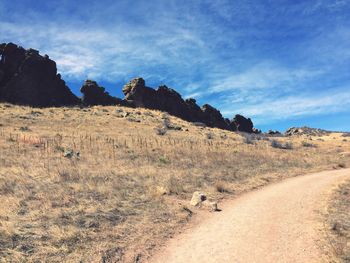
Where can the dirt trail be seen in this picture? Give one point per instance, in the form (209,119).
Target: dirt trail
(278,223)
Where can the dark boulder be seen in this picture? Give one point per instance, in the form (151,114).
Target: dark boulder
(232,126)
(256,131)
(243,124)
(27,78)
(137,93)
(272,132)
(93,94)
(196,114)
(163,98)
(213,117)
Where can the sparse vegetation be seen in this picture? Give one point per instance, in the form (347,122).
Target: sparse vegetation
(103,203)
(279,145)
(307,144)
(338,222)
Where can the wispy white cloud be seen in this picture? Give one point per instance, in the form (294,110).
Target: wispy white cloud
(252,57)
(264,75)
(268,110)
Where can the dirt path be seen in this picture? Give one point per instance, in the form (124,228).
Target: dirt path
(278,223)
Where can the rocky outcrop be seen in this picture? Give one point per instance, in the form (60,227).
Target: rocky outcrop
(272,132)
(27,78)
(163,99)
(305,131)
(213,117)
(167,99)
(243,124)
(93,94)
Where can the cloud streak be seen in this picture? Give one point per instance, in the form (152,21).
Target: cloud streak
(254,57)
(269,110)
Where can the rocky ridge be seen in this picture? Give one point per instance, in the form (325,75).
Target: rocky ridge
(28,78)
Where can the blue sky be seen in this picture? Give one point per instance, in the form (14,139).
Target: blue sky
(282,63)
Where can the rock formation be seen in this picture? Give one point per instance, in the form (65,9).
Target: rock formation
(93,94)
(213,117)
(272,132)
(28,78)
(167,99)
(243,124)
(305,131)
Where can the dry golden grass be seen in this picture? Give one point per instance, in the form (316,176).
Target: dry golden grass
(128,188)
(338,222)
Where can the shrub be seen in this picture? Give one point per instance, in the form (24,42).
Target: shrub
(164,160)
(288,146)
(210,136)
(222,187)
(307,144)
(248,138)
(24,129)
(279,145)
(161,130)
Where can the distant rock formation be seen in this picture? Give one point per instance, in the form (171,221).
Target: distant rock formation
(305,131)
(213,117)
(93,94)
(167,99)
(272,132)
(243,124)
(28,78)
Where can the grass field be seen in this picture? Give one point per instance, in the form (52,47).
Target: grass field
(110,184)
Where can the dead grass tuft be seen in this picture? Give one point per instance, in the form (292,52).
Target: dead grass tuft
(338,219)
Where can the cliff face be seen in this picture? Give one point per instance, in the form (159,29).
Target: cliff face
(28,78)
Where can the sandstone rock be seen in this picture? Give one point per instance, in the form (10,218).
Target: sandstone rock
(213,117)
(305,131)
(213,206)
(28,78)
(243,124)
(161,190)
(197,198)
(93,94)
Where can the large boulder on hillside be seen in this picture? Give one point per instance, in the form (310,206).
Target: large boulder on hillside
(137,94)
(163,99)
(232,126)
(27,78)
(93,94)
(196,113)
(243,124)
(213,117)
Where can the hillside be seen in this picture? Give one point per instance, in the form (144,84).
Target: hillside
(112,183)
(30,79)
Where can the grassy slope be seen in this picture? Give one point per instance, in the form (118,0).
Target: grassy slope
(109,202)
